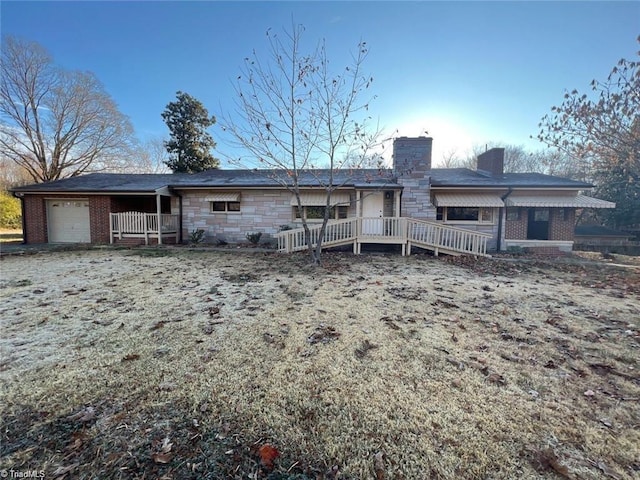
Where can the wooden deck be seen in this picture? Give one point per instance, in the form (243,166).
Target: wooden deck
(143,225)
(407,232)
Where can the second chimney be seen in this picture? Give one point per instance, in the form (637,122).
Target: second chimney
(492,161)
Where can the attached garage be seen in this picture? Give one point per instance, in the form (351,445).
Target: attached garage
(68,221)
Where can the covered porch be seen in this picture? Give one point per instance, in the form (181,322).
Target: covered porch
(545,223)
(145,218)
(149,226)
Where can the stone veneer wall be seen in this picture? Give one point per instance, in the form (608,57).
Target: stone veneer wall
(260,211)
(412,164)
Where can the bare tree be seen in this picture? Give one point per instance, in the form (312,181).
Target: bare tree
(12,174)
(601,130)
(293,114)
(56,123)
(151,157)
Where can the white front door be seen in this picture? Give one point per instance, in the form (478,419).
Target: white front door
(372,210)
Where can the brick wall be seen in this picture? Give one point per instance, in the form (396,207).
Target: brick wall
(562,223)
(99,209)
(35,215)
(561,226)
(516,229)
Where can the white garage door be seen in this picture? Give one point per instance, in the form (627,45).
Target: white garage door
(68,221)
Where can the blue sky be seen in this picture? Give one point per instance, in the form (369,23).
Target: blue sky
(467,72)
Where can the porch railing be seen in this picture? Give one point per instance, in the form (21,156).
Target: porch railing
(140,224)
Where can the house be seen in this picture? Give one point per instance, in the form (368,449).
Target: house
(459,209)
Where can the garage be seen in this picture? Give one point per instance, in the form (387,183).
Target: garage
(68,221)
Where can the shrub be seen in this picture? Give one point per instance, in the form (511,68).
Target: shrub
(10,211)
(254,237)
(196,236)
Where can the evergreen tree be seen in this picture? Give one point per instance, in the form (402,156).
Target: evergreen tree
(190,144)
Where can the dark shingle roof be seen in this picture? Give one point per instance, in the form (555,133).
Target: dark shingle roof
(115,182)
(464,177)
(106,182)
(361,178)
(358,178)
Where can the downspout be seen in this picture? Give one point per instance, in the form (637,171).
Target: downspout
(503,198)
(179,216)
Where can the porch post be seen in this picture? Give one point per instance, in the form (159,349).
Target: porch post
(396,202)
(158,212)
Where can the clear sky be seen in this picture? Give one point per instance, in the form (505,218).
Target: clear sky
(466,72)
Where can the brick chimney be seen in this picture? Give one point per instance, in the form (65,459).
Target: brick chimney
(412,156)
(492,161)
(412,166)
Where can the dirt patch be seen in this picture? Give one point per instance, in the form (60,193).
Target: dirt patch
(203,365)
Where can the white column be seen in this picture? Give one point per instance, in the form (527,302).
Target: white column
(159,213)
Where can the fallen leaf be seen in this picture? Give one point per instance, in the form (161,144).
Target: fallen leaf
(268,454)
(497,379)
(166,445)
(162,457)
(85,415)
(58,472)
(131,356)
(589,393)
(378,465)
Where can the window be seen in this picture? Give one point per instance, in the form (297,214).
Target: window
(462,214)
(513,214)
(220,207)
(317,212)
(541,215)
(486,215)
(465,214)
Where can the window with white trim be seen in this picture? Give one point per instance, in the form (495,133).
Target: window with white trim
(224,207)
(316,212)
(483,215)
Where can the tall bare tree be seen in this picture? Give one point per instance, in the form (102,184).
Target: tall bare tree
(57,123)
(150,157)
(293,114)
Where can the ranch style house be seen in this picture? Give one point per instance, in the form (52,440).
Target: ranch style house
(446,210)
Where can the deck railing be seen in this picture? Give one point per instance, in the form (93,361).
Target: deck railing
(337,232)
(140,224)
(397,230)
(442,237)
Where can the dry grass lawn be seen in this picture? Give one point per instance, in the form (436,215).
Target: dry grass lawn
(177,363)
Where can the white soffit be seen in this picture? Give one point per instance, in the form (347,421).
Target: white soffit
(223,197)
(316,199)
(468,200)
(543,201)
